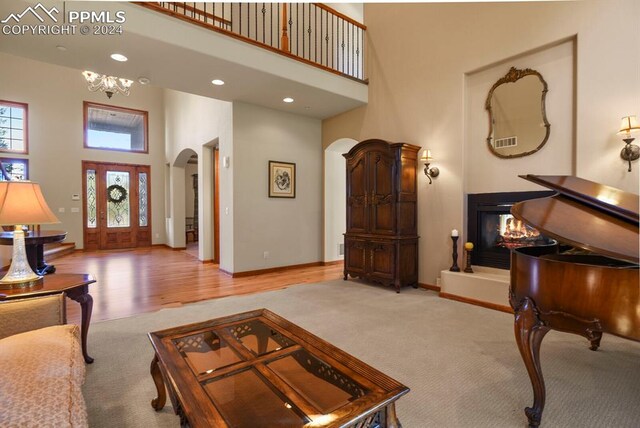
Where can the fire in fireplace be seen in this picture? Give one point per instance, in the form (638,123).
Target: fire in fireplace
(513,233)
(495,232)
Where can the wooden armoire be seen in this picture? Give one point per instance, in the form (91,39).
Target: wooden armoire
(381,239)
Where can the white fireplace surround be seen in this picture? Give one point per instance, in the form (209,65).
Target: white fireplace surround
(484,285)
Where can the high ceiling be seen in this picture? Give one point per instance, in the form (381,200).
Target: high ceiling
(178,55)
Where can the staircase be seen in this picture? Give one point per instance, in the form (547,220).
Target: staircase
(58,249)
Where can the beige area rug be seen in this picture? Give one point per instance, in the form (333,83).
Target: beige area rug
(460,361)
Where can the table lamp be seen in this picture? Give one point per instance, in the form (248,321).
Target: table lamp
(21,202)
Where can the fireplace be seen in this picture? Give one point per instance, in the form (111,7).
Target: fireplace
(495,232)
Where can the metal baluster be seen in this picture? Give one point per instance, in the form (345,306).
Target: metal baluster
(303,29)
(290,23)
(358,74)
(342,45)
(332,44)
(240,17)
(352,55)
(278,19)
(326,38)
(309,31)
(321,18)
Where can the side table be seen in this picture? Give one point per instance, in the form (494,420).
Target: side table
(73,285)
(34,242)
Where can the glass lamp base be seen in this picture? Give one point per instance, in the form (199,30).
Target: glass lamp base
(20,274)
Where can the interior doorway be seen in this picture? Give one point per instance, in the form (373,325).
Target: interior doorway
(216,206)
(192,220)
(117,205)
(335,196)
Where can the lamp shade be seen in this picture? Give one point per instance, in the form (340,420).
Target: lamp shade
(629,124)
(426,156)
(21,202)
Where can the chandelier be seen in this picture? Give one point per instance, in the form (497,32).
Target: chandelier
(107,84)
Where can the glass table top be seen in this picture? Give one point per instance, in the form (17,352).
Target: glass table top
(258,337)
(245,400)
(326,388)
(206,352)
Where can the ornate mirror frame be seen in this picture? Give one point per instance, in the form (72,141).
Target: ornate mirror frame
(512,76)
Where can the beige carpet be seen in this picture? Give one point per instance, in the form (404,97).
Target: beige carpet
(460,361)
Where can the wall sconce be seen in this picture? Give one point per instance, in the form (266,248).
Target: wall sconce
(429,172)
(630,152)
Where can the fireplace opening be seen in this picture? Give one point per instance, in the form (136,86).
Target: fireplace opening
(495,232)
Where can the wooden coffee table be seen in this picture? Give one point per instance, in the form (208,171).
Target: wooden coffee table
(256,369)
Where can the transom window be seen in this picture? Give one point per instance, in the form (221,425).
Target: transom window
(13,127)
(14,169)
(115,128)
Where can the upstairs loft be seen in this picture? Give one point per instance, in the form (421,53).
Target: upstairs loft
(312,33)
(316,57)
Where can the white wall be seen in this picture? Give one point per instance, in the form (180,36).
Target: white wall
(555,64)
(289,229)
(417,91)
(55,95)
(199,123)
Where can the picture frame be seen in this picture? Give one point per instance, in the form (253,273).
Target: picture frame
(282,179)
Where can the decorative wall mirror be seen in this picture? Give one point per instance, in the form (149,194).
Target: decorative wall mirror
(518,123)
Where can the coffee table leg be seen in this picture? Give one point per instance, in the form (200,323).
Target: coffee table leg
(158,402)
(391,417)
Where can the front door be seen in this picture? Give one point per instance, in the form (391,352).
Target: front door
(117,205)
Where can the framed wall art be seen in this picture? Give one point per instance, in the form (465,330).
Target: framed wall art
(282,179)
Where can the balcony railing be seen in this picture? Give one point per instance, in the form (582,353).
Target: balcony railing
(309,32)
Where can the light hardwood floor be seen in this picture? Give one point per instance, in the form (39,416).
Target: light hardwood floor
(145,280)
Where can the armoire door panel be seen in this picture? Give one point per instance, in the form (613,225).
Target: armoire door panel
(381,185)
(356,256)
(357,216)
(383,256)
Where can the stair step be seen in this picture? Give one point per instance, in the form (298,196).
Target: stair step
(53,251)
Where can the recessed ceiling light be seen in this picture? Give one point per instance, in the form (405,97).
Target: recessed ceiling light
(118,57)
(217,82)
(61,48)
(288,100)
(143,80)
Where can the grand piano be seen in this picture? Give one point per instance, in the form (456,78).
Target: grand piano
(586,283)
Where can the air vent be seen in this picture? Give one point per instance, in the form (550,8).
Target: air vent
(341,249)
(503,143)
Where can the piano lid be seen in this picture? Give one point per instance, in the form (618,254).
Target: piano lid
(585,214)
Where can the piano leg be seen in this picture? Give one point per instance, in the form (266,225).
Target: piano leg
(594,339)
(530,331)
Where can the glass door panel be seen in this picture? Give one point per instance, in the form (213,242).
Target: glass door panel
(118,205)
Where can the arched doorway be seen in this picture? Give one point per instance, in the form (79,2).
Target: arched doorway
(191,218)
(184,197)
(335,197)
